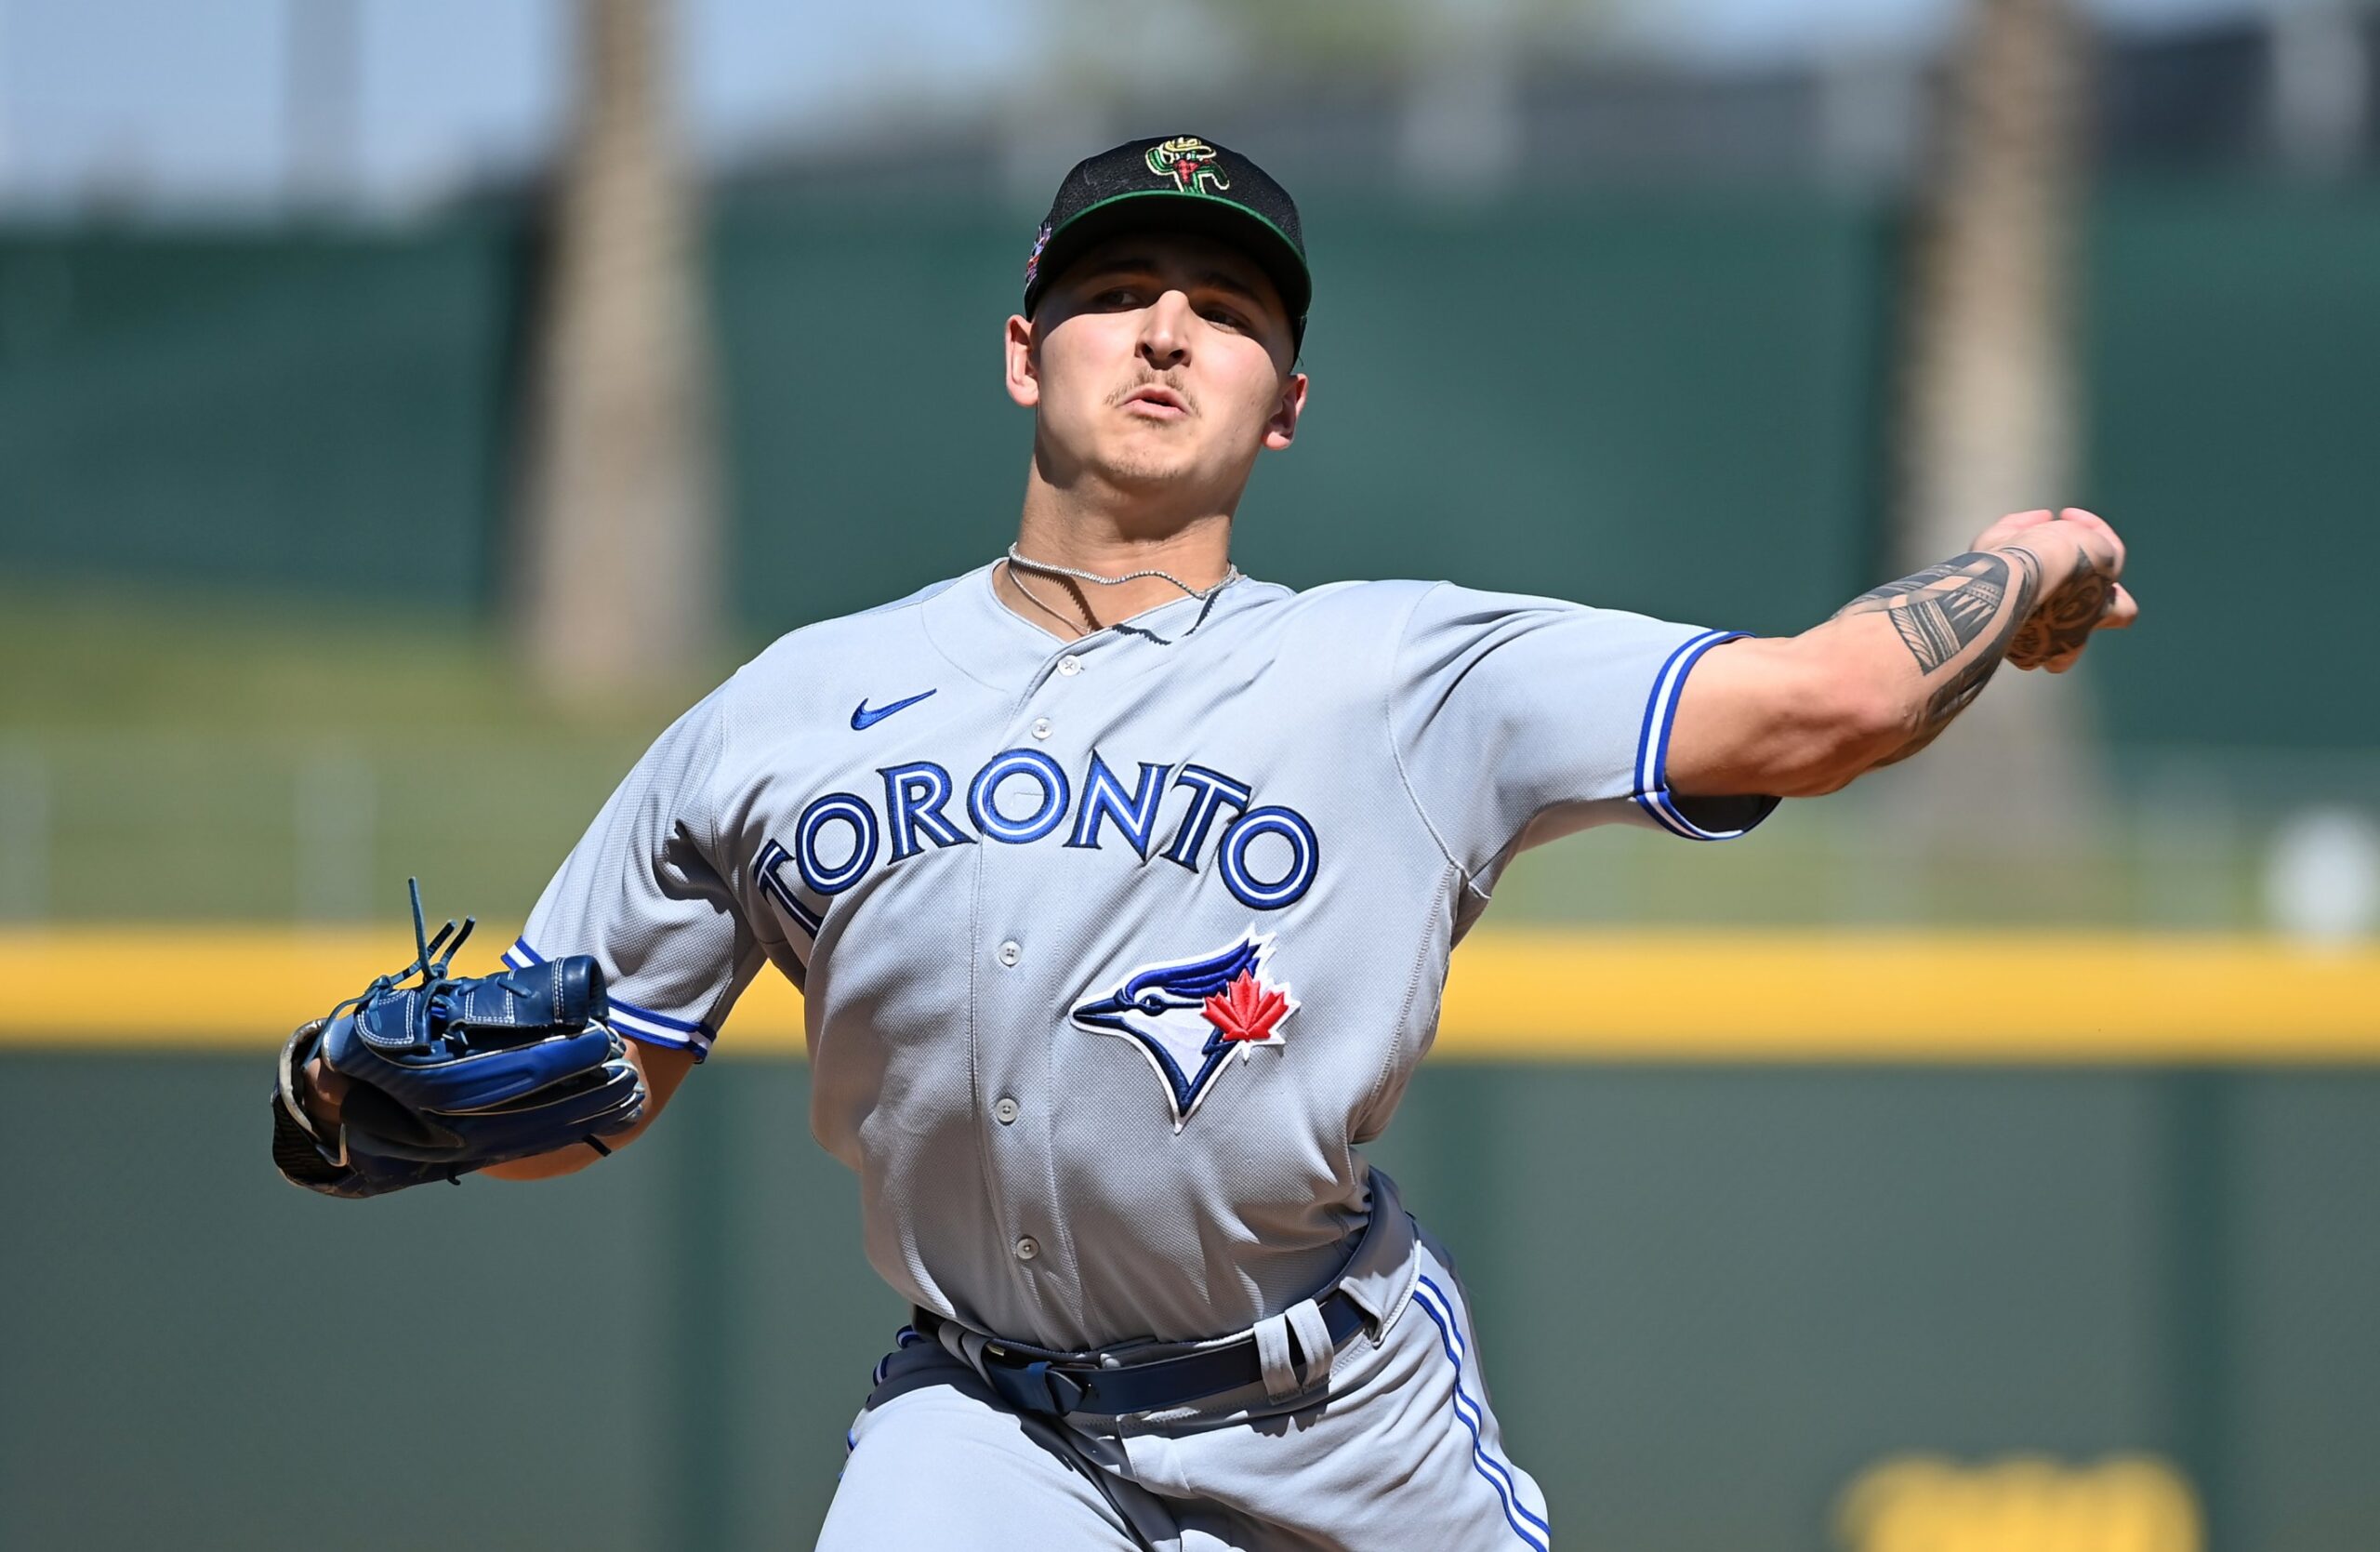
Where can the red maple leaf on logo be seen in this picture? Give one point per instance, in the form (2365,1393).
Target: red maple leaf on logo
(1247,1009)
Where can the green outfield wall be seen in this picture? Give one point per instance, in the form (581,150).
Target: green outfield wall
(1710,1298)
(260,410)
(1668,402)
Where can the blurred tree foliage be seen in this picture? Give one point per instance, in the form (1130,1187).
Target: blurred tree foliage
(1319,38)
(1330,34)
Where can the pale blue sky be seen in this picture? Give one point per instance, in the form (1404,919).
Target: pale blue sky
(183,101)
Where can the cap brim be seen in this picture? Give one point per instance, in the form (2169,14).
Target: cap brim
(1170,210)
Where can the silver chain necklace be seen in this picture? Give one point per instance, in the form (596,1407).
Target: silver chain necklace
(1231,574)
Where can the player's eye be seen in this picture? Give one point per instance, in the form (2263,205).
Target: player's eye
(1223,316)
(1116,296)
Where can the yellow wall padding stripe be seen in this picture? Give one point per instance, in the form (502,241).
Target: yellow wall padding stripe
(1651,996)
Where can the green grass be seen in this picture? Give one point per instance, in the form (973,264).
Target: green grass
(265,759)
(272,666)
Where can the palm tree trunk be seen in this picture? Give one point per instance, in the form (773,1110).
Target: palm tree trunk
(1989,413)
(619,561)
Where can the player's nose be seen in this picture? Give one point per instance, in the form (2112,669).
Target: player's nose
(1165,330)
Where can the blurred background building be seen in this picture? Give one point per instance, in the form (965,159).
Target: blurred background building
(407,405)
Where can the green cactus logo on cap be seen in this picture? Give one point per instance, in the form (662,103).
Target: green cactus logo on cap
(1190,162)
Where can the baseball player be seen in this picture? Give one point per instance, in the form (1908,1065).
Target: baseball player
(1120,889)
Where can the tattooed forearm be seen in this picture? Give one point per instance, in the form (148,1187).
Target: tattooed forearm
(1941,614)
(1942,609)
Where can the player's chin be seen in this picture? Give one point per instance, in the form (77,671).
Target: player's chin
(1154,464)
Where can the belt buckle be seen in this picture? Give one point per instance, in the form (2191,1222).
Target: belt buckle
(1037,1386)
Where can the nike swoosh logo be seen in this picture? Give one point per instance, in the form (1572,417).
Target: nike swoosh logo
(862,719)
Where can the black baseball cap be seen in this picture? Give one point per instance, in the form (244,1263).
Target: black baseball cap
(1179,183)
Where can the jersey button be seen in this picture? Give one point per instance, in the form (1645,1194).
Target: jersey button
(1011,953)
(1041,727)
(1004,1110)
(1070,665)
(1027,1250)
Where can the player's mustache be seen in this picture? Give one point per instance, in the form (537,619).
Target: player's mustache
(1116,400)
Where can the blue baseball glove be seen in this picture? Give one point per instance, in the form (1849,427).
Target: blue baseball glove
(455,1072)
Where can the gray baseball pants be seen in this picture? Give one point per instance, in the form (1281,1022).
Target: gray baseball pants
(1396,1450)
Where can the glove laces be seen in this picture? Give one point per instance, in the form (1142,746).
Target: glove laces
(433,970)
(432,959)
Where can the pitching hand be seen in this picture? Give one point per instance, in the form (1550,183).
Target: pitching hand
(2082,561)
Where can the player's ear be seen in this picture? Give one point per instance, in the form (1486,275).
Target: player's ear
(1281,426)
(1023,372)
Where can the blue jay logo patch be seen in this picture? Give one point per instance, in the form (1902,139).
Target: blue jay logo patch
(1188,1016)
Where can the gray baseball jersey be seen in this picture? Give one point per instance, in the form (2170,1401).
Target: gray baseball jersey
(1113,951)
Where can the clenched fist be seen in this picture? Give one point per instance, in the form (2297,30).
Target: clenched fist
(2082,561)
